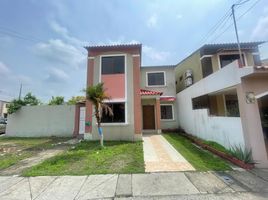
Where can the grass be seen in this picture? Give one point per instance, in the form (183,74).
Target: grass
(216,146)
(201,160)
(87,158)
(14,149)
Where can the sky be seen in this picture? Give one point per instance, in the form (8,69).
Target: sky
(41,42)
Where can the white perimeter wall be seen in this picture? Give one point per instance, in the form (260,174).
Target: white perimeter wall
(224,130)
(42,121)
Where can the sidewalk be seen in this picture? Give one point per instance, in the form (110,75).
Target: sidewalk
(173,185)
(160,156)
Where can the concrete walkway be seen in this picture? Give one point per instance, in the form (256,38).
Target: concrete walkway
(160,156)
(231,185)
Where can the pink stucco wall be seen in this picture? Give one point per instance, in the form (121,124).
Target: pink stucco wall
(250,116)
(114,85)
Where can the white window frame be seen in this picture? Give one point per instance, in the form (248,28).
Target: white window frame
(231,53)
(153,72)
(172,108)
(126,92)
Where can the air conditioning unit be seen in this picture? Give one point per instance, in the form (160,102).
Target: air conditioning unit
(188,81)
(188,73)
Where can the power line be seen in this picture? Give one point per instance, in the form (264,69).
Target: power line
(219,35)
(223,20)
(29,38)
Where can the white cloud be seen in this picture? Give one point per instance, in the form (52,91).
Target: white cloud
(152,21)
(261,30)
(149,52)
(8,76)
(63,31)
(56,50)
(4,70)
(154,54)
(57,75)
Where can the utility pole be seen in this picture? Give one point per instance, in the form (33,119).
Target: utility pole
(20,91)
(237,37)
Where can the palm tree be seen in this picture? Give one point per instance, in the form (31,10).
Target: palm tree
(96,94)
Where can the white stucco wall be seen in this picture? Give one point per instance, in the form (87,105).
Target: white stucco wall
(42,121)
(224,130)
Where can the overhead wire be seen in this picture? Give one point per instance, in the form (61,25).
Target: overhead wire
(219,35)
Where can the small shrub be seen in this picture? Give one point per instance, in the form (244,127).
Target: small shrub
(243,154)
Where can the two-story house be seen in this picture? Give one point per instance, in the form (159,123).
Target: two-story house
(142,98)
(3,108)
(223,98)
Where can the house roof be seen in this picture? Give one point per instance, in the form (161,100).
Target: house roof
(207,49)
(149,92)
(214,48)
(113,47)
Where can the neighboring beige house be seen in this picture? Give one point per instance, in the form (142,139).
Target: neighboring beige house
(265,61)
(223,99)
(3,108)
(160,79)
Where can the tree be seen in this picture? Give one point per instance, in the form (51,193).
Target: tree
(58,100)
(28,100)
(15,105)
(74,100)
(31,100)
(96,94)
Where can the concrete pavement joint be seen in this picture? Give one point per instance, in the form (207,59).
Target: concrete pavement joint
(12,185)
(99,185)
(194,184)
(81,187)
(30,188)
(46,187)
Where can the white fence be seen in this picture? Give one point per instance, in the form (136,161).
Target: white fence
(42,121)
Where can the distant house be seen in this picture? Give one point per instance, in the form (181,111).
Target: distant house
(265,61)
(225,99)
(3,108)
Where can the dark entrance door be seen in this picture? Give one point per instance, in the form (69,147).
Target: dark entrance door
(148,117)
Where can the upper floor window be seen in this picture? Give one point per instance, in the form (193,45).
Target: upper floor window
(156,79)
(113,65)
(227,59)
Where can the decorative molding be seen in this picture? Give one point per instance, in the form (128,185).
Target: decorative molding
(91,58)
(136,55)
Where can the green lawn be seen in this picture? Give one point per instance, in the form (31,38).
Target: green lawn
(200,159)
(87,158)
(12,150)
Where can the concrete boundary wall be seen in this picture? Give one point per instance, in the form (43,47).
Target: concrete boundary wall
(42,121)
(224,130)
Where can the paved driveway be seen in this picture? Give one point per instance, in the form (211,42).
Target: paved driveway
(160,156)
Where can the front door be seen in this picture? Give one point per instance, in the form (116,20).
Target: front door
(148,117)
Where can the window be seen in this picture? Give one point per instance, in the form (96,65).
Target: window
(118,113)
(206,64)
(227,59)
(166,112)
(155,78)
(113,65)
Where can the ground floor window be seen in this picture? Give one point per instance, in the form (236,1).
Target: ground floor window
(167,112)
(118,113)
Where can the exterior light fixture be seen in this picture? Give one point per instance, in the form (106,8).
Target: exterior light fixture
(250,97)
